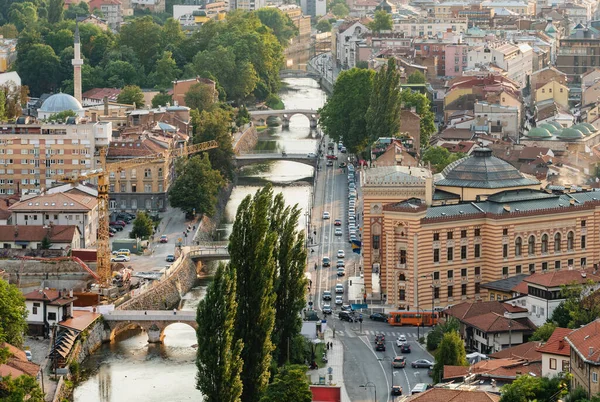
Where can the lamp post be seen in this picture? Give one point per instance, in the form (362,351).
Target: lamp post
(369,384)
(432,291)
(391,371)
(419,324)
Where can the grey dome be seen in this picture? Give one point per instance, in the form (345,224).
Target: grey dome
(59,103)
(483,170)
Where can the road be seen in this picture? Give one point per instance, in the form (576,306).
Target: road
(362,364)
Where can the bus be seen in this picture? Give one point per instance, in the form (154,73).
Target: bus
(413,318)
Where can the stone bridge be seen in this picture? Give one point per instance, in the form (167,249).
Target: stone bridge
(261,116)
(252,158)
(298,74)
(209,251)
(153,322)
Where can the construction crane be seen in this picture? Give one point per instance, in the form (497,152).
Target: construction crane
(103,253)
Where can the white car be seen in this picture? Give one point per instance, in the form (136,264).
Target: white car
(341,254)
(325,215)
(339,288)
(339,301)
(401,340)
(120,258)
(311,155)
(338,231)
(28,355)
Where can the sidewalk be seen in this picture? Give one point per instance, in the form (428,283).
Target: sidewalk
(335,357)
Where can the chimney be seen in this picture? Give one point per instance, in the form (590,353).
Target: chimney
(591,351)
(561,344)
(105,105)
(94,116)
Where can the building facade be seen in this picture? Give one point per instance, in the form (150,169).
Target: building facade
(8,53)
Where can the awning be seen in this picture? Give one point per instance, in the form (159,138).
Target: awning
(21,243)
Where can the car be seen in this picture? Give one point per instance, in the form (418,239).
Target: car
(341,254)
(342,165)
(379,337)
(113,230)
(420,387)
(351,186)
(346,316)
(124,251)
(327,309)
(380,346)
(396,390)
(339,300)
(346,307)
(311,155)
(341,272)
(340,145)
(399,362)
(405,348)
(378,317)
(337,222)
(331,157)
(325,215)
(118,228)
(121,222)
(401,340)
(343,150)
(326,262)
(352,204)
(339,288)
(28,355)
(351,210)
(164,239)
(338,231)
(111,234)
(421,363)
(170,258)
(329,163)
(326,295)
(340,264)
(119,258)
(351,238)
(331,145)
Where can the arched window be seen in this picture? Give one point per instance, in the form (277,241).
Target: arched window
(160,172)
(531,245)
(147,173)
(518,246)
(402,277)
(544,243)
(557,239)
(570,240)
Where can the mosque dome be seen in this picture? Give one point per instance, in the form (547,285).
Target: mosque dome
(570,134)
(539,132)
(59,103)
(581,128)
(551,129)
(555,124)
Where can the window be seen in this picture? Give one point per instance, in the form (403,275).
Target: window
(450,290)
(436,276)
(147,188)
(463,234)
(505,232)
(449,235)
(477,232)
(463,289)
(594,377)
(565,366)
(436,255)
(570,263)
(477,288)
(436,237)
(402,256)
(477,250)
(583,261)
(477,270)
(570,241)
(518,246)
(450,274)
(505,271)
(160,172)
(450,253)
(402,294)
(34,310)
(582,224)
(532,268)
(552,364)
(557,239)
(492,296)
(583,242)
(505,250)
(463,273)
(544,243)
(51,316)
(531,245)
(436,293)
(147,173)
(544,266)
(518,269)
(557,265)
(376,242)
(133,188)
(463,252)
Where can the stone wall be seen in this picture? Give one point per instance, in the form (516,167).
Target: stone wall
(90,340)
(247,141)
(33,274)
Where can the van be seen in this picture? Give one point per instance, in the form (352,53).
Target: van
(420,387)
(124,251)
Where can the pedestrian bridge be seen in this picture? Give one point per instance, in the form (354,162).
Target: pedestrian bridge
(252,158)
(209,252)
(153,322)
(261,116)
(298,74)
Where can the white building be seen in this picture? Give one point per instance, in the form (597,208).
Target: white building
(430,27)
(479,56)
(516,60)
(497,119)
(47,307)
(348,36)
(313,8)
(556,353)
(247,5)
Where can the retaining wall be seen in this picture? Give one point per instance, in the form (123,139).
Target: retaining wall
(247,141)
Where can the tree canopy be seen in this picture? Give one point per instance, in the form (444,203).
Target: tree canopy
(200,97)
(382,21)
(440,157)
(289,385)
(280,23)
(13,324)
(451,352)
(417,77)
(143,227)
(528,388)
(216,125)
(543,332)
(131,94)
(383,114)
(323,26)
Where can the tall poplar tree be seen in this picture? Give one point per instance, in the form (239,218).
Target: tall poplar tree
(290,282)
(251,249)
(383,115)
(218,358)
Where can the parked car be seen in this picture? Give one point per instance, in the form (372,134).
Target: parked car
(421,363)
(405,348)
(326,262)
(118,228)
(332,157)
(120,258)
(378,317)
(121,222)
(111,234)
(124,251)
(28,355)
(420,387)
(117,223)
(399,362)
(326,295)
(170,258)
(342,165)
(343,150)
(341,272)
(325,215)
(338,222)
(341,254)
(164,239)
(340,264)
(401,340)
(113,230)
(327,309)
(339,301)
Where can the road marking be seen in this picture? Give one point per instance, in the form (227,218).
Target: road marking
(404,371)
(387,383)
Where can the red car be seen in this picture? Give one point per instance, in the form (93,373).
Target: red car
(164,239)
(117,223)
(333,157)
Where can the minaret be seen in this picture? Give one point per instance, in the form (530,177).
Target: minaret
(77,63)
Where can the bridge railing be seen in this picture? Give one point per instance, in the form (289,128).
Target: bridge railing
(260,152)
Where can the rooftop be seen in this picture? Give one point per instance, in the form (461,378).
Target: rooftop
(505,285)
(553,279)
(26,233)
(468,309)
(586,342)
(49,295)
(454,395)
(495,368)
(526,351)
(556,344)
(59,103)
(395,175)
(494,322)
(56,202)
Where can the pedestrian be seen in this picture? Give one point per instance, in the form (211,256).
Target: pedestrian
(315,266)
(194,227)
(145,313)
(327,345)
(174,311)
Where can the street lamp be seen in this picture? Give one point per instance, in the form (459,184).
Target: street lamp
(391,371)
(369,385)
(432,290)
(421,323)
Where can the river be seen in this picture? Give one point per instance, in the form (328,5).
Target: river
(129,368)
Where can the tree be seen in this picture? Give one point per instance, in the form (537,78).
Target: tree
(218,358)
(561,316)
(119,73)
(544,332)
(143,36)
(131,94)
(440,157)
(434,337)
(242,117)
(74,10)
(22,388)
(362,64)
(60,40)
(421,103)
(289,385)
(3,113)
(382,21)
(39,80)
(46,243)
(417,77)
(166,71)
(9,31)
(215,125)
(196,186)
(55,10)
(383,115)
(23,14)
(200,96)
(340,10)
(324,26)
(251,249)
(343,116)
(161,99)
(580,304)
(62,116)
(282,25)
(14,313)
(451,352)
(143,227)
(523,389)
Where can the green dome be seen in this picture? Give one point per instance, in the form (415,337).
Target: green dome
(551,129)
(570,134)
(580,127)
(555,124)
(538,132)
(590,127)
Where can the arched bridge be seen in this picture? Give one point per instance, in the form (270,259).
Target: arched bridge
(261,116)
(251,158)
(209,252)
(298,74)
(153,322)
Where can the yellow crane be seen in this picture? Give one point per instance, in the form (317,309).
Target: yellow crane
(103,176)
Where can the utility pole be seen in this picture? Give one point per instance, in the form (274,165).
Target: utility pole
(509,332)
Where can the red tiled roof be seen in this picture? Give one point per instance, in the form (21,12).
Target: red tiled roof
(454,395)
(556,344)
(100,93)
(42,295)
(531,153)
(56,202)
(144,147)
(553,279)
(13,350)
(471,309)
(495,368)
(527,351)
(56,234)
(586,341)
(456,133)
(521,288)
(494,322)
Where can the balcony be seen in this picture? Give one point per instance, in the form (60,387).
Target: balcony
(401,265)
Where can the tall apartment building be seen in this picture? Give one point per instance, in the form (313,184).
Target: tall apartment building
(111,9)
(578,53)
(314,8)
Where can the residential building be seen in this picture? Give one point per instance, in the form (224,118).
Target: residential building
(313,8)
(578,53)
(96,96)
(556,353)
(527,351)
(156,6)
(391,152)
(10,79)
(554,90)
(516,60)
(32,237)
(444,394)
(8,53)
(173,120)
(501,289)
(545,75)
(591,94)
(492,374)
(585,357)
(201,13)
(429,48)
(518,7)
(302,22)
(430,27)
(111,9)
(60,209)
(348,34)
(95,20)
(577,12)
(47,307)
(456,59)
(497,120)
(180,88)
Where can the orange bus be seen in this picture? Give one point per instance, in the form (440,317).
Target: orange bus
(413,318)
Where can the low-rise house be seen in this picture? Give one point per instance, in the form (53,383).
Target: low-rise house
(526,351)
(95,96)
(501,289)
(17,364)
(493,373)
(8,53)
(445,394)
(585,357)
(60,237)
(556,353)
(554,90)
(47,307)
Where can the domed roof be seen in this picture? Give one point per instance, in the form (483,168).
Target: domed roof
(581,128)
(483,170)
(551,129)
(570,134)
(590,127)
(59,103)
(538,132)
(555,124)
